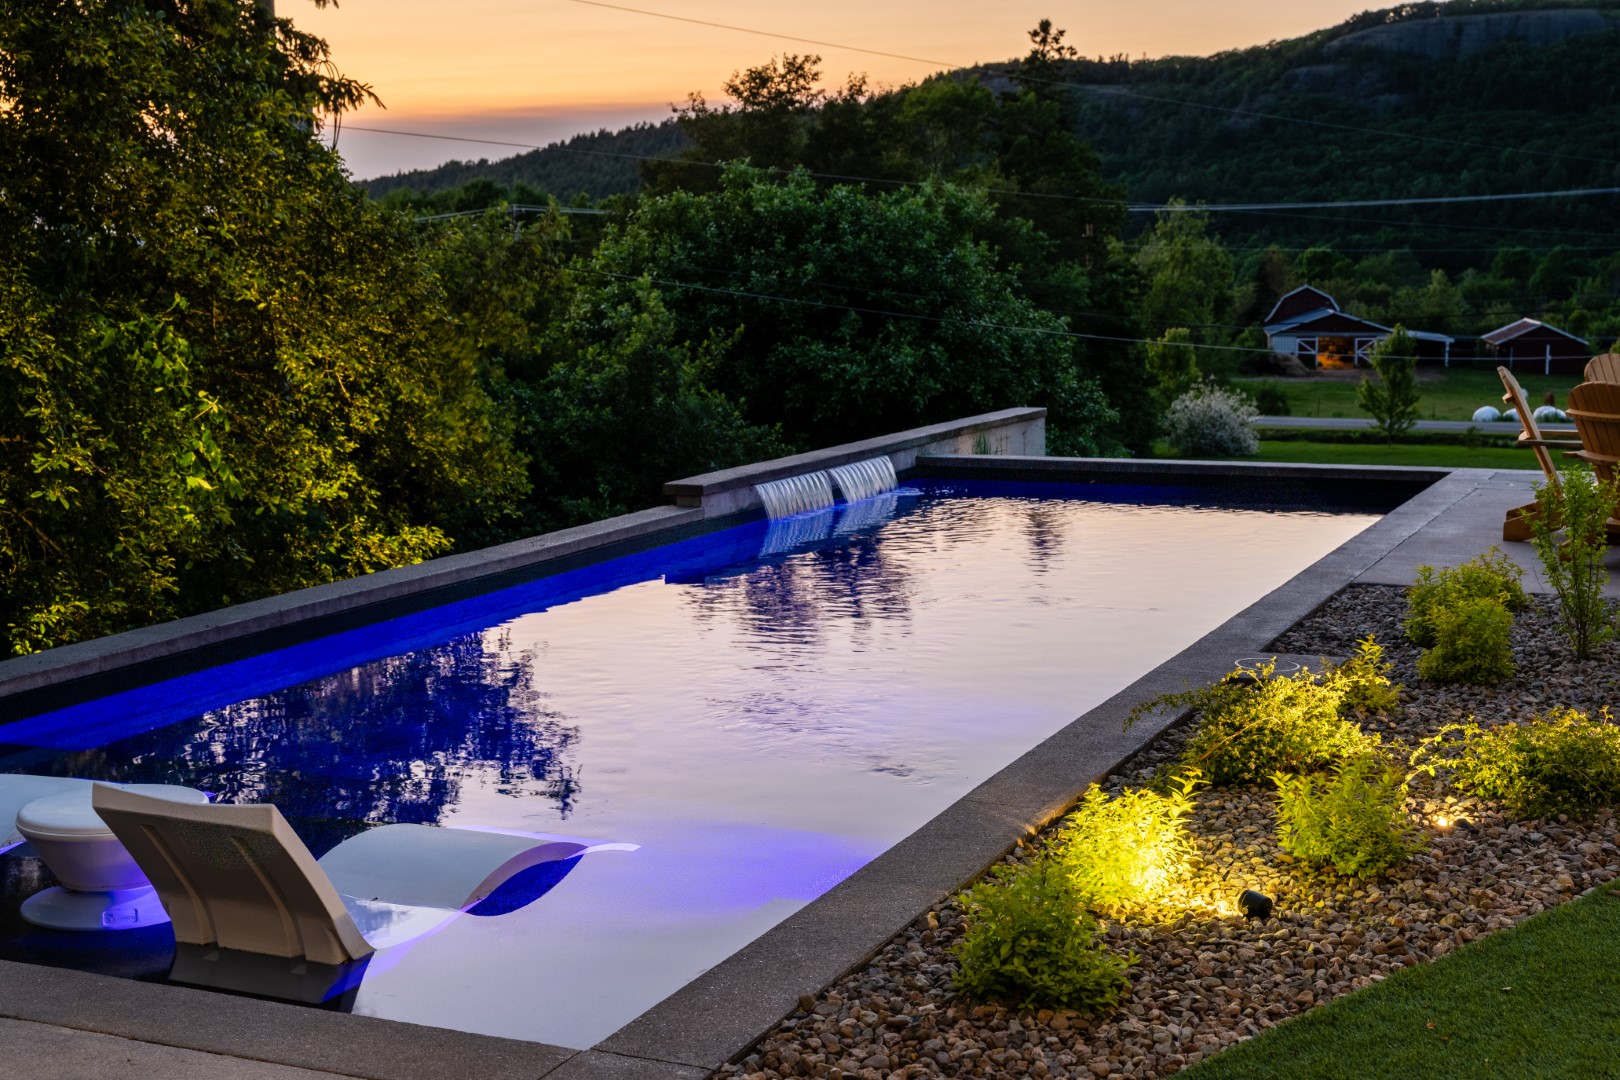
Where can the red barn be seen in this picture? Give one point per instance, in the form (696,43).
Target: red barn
(1533,346)
(1308,324)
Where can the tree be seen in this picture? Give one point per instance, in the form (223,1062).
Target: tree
(848,315)
(223,373)
(1188,272)
(1393,399)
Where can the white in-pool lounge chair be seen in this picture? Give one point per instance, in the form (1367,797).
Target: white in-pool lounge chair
(17,790)
(237,877)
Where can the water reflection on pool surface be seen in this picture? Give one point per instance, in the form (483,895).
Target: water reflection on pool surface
(760,725)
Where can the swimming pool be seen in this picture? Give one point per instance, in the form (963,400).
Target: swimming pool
(762,710)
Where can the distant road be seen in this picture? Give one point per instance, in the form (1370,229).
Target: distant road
(1353,423)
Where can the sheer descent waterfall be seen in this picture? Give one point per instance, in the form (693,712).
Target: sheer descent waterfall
(795,494)
(863,479)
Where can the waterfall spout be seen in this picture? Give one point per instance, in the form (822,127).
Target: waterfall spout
(863,479)
(795,494)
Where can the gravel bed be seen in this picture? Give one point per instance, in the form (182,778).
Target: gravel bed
(1207,981)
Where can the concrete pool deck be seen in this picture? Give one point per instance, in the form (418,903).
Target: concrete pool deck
(61,1023)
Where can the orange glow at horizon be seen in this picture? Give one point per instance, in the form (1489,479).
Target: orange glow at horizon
(547,66)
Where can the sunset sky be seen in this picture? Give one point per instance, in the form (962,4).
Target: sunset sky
(534,71)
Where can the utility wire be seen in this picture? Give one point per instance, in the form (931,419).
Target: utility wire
(1114,91)
(917,317)
(1274,209)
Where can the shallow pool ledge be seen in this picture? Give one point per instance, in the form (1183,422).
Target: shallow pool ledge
(1019,432)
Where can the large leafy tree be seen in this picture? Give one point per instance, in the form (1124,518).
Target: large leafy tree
(843,315)
(222,373)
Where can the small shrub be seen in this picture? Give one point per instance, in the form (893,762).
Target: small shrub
(1271,399)
(1123,855)
(1208,421)
(1575,569)
(1392,401)
(1030,942)
(1246,733)
(1353,820)
(1491,574)
(1367,685)
(1471,644)
(1562,763)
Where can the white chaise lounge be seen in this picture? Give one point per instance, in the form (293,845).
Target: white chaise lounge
(237,877)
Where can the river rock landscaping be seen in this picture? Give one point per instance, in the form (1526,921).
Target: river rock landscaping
(1207,978)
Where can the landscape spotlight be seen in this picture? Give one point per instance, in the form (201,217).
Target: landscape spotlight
(1254,905)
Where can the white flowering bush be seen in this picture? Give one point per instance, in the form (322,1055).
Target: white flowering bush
(1208,421)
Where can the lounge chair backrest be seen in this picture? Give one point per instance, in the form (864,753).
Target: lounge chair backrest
(233,876)
(1595,408)
(1514,398)
(1604,368)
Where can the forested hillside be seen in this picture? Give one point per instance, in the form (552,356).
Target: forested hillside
(1424,100)
(596,164)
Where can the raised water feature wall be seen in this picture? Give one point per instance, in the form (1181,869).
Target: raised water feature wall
(730,491)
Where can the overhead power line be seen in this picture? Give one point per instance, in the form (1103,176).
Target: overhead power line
(918,317)
(1108,90)
(1279,208)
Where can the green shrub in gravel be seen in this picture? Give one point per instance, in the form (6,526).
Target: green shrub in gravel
(1491,575)
(1352,819)
(1368,687)
(1029,942)
(1247,732)
(1125,855)
(1471,643)
(1575,567)
(1563,763)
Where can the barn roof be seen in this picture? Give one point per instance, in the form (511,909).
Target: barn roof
(1299,304)
(1520,327)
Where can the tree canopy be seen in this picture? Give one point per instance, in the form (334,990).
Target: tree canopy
(223,372)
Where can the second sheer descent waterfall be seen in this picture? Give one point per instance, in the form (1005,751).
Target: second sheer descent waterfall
(864,479)
(814,491)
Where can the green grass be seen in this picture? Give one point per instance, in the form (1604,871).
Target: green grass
(1539,1000)
(1454,395)
(1320,453)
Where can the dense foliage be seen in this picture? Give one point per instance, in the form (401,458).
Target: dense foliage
(1563,763)
(1248,731)
(1030,943)
(1352,819)
(1491,575)
(223,372)
(847,315)
(1125,854)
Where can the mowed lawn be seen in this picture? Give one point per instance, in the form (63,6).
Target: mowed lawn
(1539,1000)
(1323,453)
(1447,394)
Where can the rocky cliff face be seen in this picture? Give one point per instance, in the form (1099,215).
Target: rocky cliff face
(1463,35)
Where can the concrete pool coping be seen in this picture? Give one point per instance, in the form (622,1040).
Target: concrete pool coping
(720,1014)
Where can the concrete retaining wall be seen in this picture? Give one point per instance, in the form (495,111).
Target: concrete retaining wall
(729,491)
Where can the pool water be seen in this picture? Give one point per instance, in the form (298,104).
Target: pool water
(761,710)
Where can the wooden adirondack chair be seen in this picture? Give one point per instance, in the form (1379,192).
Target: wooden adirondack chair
(1595,408)
(1516,525)
(1605,368)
